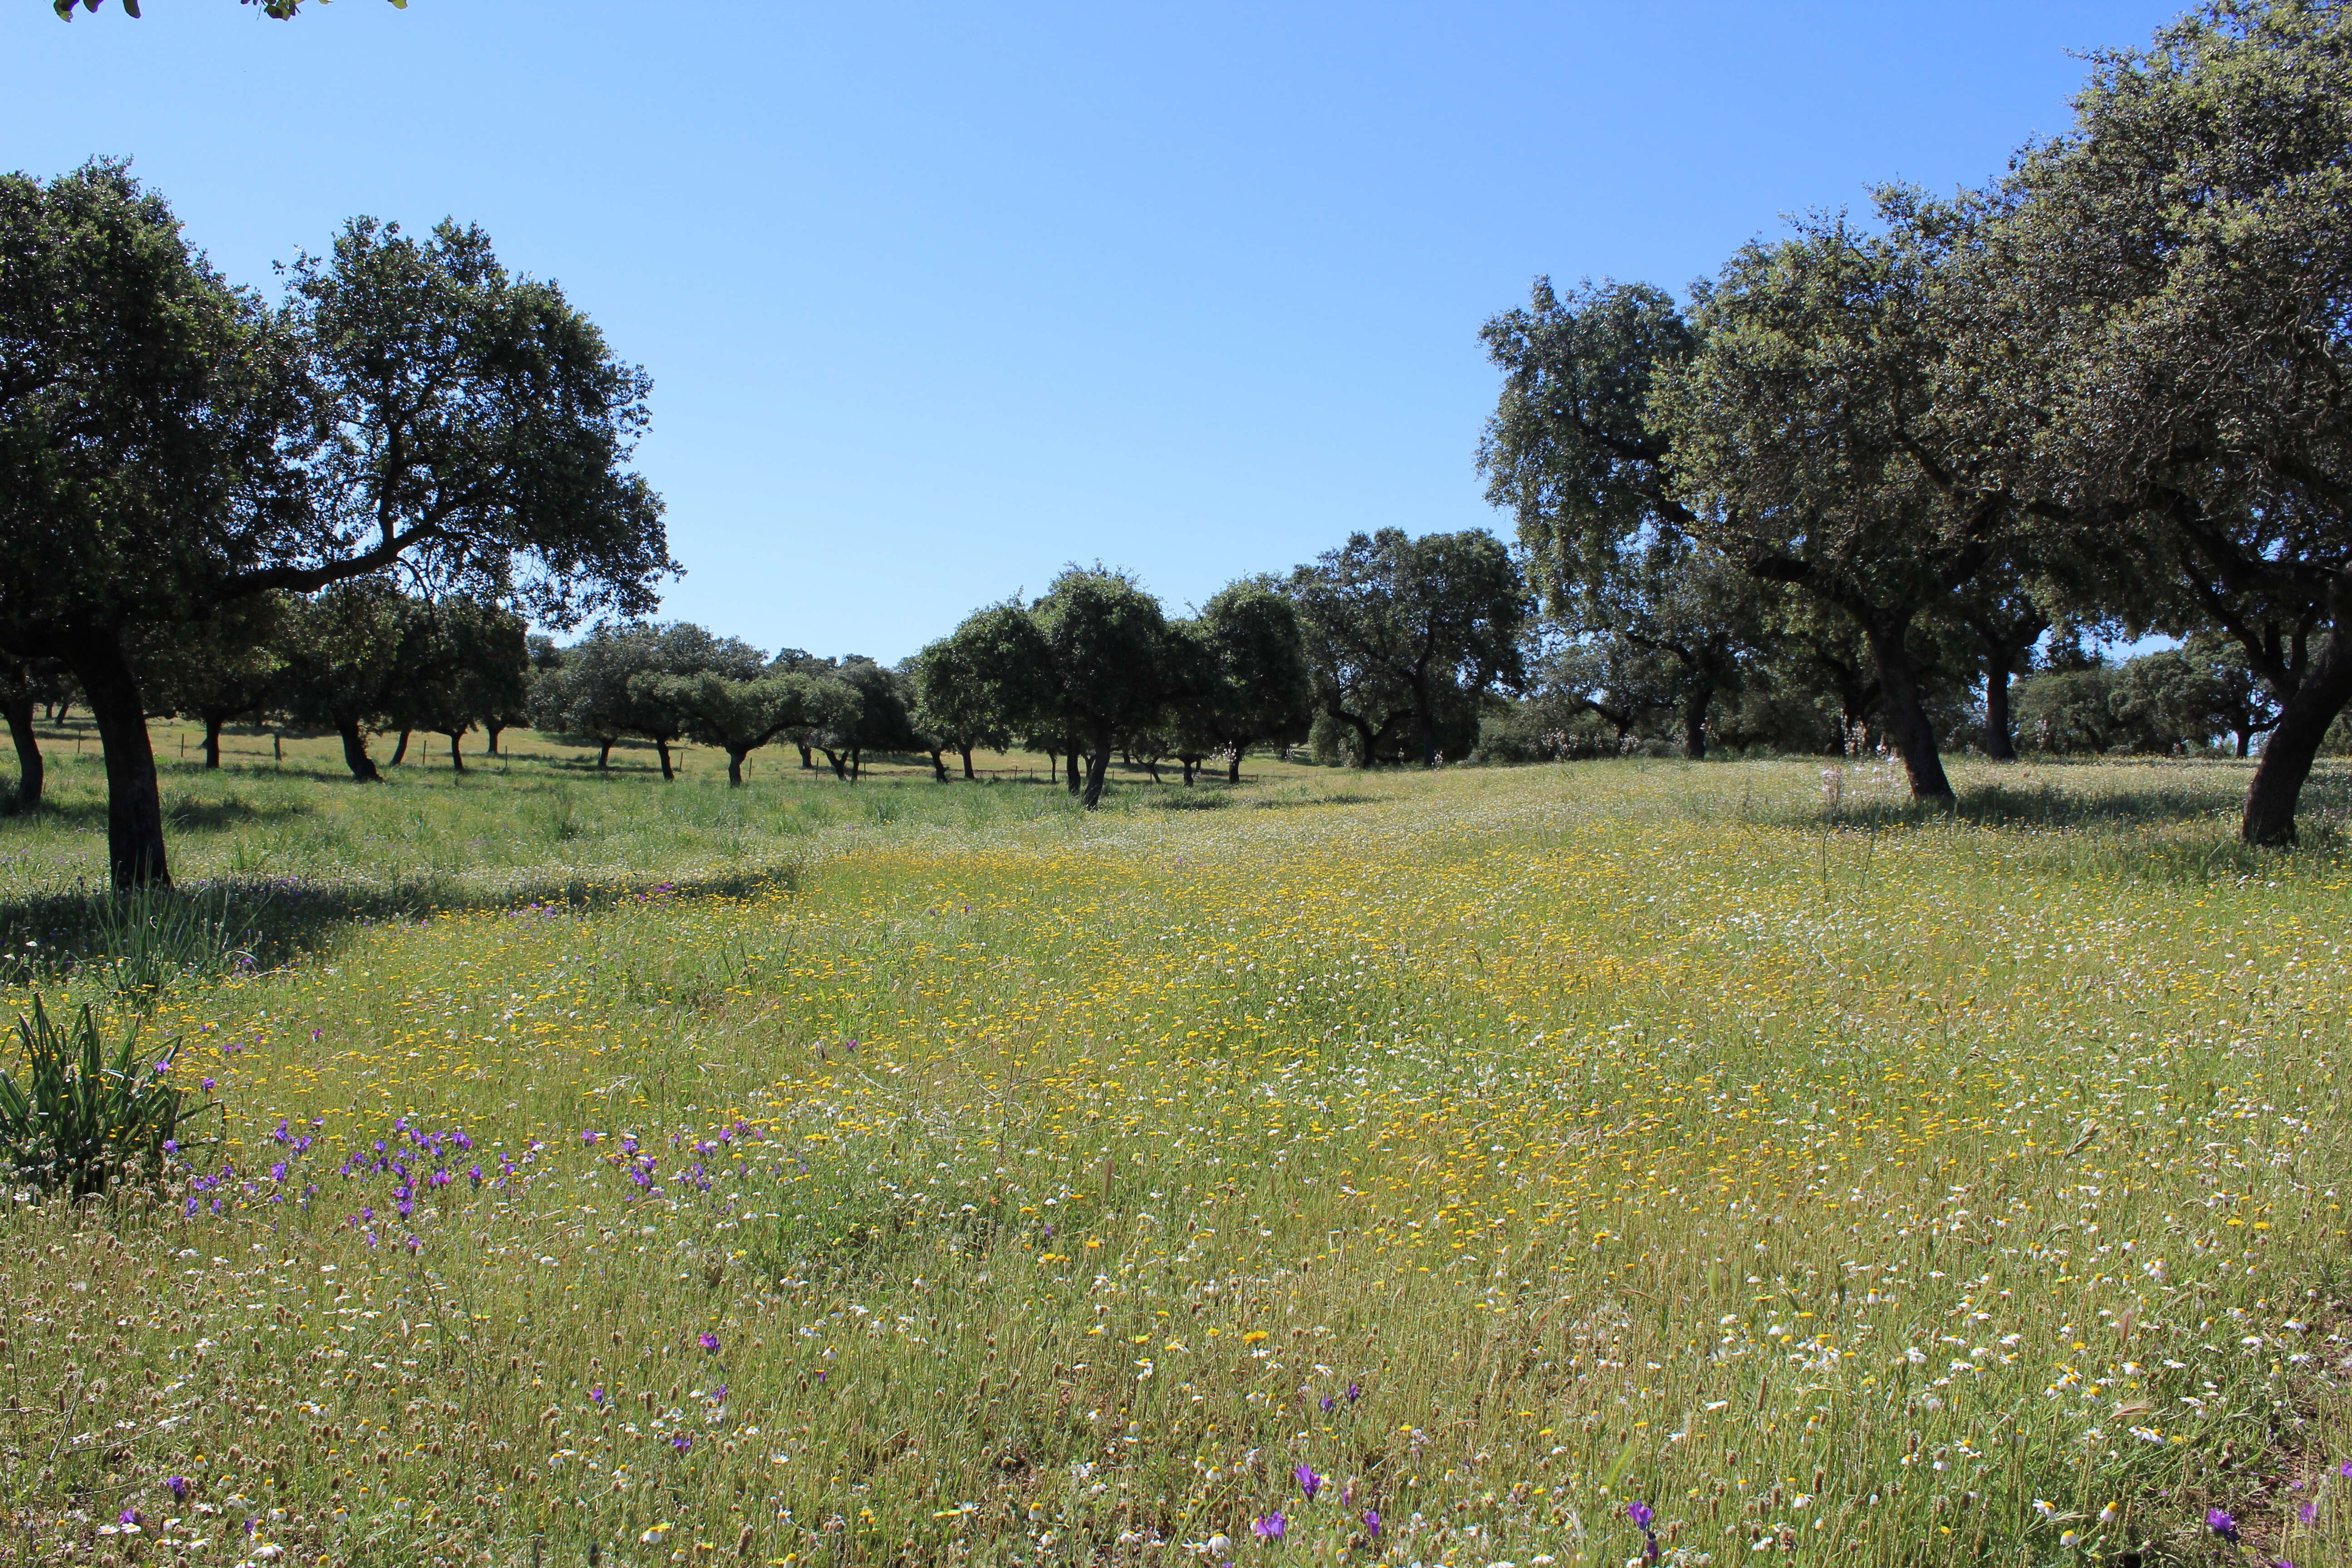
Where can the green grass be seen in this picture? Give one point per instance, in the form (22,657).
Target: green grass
(1841,1182)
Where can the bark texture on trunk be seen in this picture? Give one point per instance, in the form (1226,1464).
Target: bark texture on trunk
(966,751)
(31,771)
(1906,717)
(2295,743)
(939,764)
(735,767)
(808,763)
(135,802)
(355,752)
(212,741)
(1096,766)
(604,755)
(662,747)
(1694,709)
(2000,744)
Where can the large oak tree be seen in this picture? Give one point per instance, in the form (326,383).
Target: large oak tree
(169,446)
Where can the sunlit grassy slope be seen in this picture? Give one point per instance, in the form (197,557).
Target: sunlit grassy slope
(1421,1167)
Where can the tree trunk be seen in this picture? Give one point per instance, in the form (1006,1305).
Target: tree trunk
(400,752)
(2000,744)
(457,755)
(839,770)
(1702,693)
(1152,767)
(856,763)
(1906,717)
(662,748)
(808,763)
(1096,766)
(355,752)
(2287,755)
(134,801)
(1233,767)
(2245,743)
(492,731)
(31,771)
(603,756)
(939,764)
(212,741)
(1188,771)
(1073,755)
(735,767)
(967,773)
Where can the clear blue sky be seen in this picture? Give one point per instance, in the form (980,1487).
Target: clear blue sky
(938,298)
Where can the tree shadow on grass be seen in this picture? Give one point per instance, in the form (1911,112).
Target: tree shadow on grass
(214,815)
(230,925)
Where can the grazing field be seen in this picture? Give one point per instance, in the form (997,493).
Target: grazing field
(1455,1168)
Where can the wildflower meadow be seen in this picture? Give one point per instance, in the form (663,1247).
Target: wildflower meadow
(1616,1162)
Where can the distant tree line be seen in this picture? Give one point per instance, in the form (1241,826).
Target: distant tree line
(1881,461)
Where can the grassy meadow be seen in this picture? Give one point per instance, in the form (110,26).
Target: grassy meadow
(1391,1168)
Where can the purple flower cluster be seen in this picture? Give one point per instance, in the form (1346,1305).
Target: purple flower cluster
(415,1160)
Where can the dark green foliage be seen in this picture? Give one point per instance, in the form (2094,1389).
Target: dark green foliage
(222,668)
(1238,672)
(1405,637)
(461,663)
(84,1117)
(2163,341)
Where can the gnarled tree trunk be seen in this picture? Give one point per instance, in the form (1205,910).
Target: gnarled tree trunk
(400,752)
(135,802)
(355,752)
(1907,716)
(1998,744)
(2287,756)
(31,771)
(1098,765)
(1695,706)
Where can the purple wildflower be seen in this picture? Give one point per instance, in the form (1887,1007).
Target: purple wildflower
(709,1341)
(1270,1526)
(682,1442)
(597,1396)
(2222,1524)
(588,1136)
(128,1516)
(1327,1402)
(1639,1512)
(1308,1481)
(1354,1393)
(178,1486)
(1372,1522)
